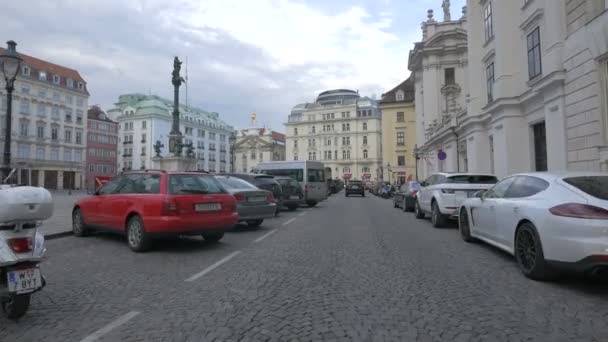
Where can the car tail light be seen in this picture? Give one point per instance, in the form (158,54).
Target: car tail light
(447,191)
(21,245)
(578,210)
(169,207)
(600,257)
(270,198)
(239,197)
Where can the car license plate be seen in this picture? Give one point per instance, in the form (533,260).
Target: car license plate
(355,187)
(256,199)
(24,281)
(294,197)
(208,207)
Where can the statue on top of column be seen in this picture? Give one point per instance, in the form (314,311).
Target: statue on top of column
(446,10)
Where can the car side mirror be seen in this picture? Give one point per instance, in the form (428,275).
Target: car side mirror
(480,194)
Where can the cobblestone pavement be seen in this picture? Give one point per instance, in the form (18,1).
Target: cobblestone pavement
(352,269)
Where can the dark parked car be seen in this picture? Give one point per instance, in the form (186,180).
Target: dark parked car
(354,187)
(265,182)
(405,197)
(293,196)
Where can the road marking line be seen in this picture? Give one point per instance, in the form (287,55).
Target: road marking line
(302,214)
(113,325)
(265,236)
(289,221)
(214,266)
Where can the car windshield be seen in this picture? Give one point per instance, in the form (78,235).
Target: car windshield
(193,184)
(265,181)
(235,183)
(472,179)
(596,186)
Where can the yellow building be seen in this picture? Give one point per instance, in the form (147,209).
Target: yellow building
(399,133)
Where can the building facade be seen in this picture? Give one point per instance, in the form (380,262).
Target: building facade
(439,66)
(256,145)
(102,147)
(537,88)
(341,129)
(145,119)
(399,133)
(48,124)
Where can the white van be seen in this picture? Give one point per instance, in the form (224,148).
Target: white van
(310,174)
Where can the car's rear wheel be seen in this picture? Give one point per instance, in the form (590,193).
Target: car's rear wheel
(254,223)
(437,218)
(138,239)
(529,254)
(311,203)
(418,211)
(212,237)
(79,227)
(292,207)
(464,227)
(395,205)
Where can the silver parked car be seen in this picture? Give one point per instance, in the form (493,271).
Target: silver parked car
(253,204)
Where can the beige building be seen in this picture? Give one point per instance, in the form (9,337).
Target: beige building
(341,129)
(399,133)
(256,145)
(49,124)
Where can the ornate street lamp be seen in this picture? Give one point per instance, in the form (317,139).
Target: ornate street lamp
(11,64)
(388,167)
(232,142)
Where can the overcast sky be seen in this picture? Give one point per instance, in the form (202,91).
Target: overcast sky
(244,56)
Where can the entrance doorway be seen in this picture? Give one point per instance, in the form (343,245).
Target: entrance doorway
(540,146)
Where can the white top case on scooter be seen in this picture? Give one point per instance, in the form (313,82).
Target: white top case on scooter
(25,203)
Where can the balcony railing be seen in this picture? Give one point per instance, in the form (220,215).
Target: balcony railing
(125,155)
(130,142)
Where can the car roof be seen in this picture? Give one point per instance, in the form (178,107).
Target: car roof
(451,174)
(553,175)
(248,174)
(158,171)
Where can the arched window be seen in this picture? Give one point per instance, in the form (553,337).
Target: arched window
(343,154)
(365,154)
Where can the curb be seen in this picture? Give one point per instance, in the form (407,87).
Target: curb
(58,235)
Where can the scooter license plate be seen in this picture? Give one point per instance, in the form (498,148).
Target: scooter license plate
(24,280)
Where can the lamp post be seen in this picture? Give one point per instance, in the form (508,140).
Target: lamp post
(11,64)
(417,157)
(232,142)
(388,167)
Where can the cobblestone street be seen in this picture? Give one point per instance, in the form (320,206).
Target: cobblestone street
(350,269)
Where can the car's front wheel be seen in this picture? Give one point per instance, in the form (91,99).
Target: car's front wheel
(418,211)
(138,239)
(212,237)
(529,254)
(464,227)
(292,207)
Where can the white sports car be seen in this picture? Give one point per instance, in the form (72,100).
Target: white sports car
(548,221)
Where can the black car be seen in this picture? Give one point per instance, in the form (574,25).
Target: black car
(355,187)
(293,196)
(405,197)
(265,182)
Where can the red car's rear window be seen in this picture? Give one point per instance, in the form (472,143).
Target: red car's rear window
(184,184)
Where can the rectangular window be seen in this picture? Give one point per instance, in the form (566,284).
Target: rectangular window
(400,138)
(79,114)
(54,133)
(540,146)
(40,153)
(79,101)
(490,82)
(400,160)
(400,117)
(24,125)
(25,70)
(365,140)
(70,83)
(535,68)
(79,137)
(56,79)
(77,156)
(189,130)
(487,22)
(67,155)
(68,115)
(449,76)
(54,154)
(41,109)
(42,75)
(295,131)
(40,132)
(24,151)
(212,135)
(69,99)
(68,136)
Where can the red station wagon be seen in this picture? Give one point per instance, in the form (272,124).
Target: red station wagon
(150,204)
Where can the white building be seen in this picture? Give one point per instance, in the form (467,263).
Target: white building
(144,120)
(341,129)
(256,145)
(537,85)
(48,124)
(439,64)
